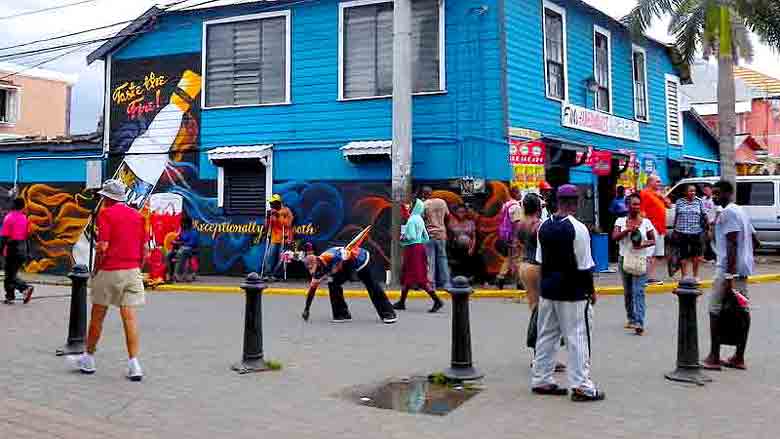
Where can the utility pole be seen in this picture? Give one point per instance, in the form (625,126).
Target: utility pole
(402,125)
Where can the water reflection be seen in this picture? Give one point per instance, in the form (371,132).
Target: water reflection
(418,395)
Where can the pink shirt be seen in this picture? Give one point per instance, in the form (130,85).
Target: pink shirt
(15,226)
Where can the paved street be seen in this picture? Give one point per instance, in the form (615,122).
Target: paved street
(189,341)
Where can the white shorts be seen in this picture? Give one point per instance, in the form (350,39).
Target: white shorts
(660,246)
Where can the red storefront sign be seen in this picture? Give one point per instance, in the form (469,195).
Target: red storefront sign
(601,162)
(526,152)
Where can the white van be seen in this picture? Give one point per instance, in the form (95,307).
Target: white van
(758,194)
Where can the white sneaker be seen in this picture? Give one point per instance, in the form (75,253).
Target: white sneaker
(85,363)
(134,371)
(389,320)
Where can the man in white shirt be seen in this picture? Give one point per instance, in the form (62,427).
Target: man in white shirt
(735,239)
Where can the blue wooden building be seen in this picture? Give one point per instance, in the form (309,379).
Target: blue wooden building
(225,105)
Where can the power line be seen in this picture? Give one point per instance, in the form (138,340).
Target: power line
(51,8)
(43,62)
(59,37)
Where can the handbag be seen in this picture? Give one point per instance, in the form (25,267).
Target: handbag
(734,321)
(635,263)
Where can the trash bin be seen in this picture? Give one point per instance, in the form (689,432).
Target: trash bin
(599,247)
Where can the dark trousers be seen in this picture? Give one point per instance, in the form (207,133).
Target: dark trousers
(375,291)
(12,282)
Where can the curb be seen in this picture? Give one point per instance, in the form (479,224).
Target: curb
(478,293)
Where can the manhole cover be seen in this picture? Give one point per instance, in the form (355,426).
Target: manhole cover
(417,395)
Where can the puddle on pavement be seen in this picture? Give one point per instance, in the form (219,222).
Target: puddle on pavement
(417,395)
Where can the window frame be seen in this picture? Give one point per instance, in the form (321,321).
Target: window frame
(17,112)
(676,79)
(442,51)
(752,184)
(288,56)
(266,158)
(634,50)
(598,30)
(546,4)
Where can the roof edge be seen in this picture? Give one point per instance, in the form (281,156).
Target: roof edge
(123,35)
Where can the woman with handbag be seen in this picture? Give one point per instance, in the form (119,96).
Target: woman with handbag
(636,237)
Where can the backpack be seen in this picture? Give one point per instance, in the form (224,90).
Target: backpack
(505,227)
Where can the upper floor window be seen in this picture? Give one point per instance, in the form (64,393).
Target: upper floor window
(9,105)
(366,48)
(602,60)
(674,120)
(554,26)
(641,103)
(247,60)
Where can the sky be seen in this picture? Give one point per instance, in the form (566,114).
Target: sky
(88,92)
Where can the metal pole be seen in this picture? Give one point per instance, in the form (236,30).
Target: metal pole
(688,368)
(77,322)
(252,357)
(461,365)
(402,125)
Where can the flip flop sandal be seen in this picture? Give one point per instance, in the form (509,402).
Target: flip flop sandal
(580,396)
(731,364)
(550,390)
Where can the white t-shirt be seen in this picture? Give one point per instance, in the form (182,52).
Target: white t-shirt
(734,219)
(626,245)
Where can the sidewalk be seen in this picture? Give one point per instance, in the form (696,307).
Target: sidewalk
(767,270)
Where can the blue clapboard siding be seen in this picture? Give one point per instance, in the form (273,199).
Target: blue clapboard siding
(530,108)
(695,148)
(52,168)
(460,132)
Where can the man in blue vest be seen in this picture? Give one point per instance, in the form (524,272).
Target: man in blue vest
(567,292)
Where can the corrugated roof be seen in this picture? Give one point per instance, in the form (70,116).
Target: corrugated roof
(370,147)
(757,80)
(239,152)
(34,72)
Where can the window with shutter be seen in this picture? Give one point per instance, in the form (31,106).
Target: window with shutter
(554,26)
(641,103)
(674,123)
(244,187)
(248,60)
(9,105)
(366,48)
(602,59)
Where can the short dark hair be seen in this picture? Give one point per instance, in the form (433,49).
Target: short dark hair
(634,195)
(620,189)
(18,203)
(532,204)
(725,186)
(703,185)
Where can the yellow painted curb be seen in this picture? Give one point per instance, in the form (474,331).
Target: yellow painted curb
(478,293)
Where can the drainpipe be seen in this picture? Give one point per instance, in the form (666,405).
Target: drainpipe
(20,159)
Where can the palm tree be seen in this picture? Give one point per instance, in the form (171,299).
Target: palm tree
(715,27)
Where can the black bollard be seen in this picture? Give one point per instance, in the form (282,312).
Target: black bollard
(77,325)
(461,367)
(688,367)
(252,358)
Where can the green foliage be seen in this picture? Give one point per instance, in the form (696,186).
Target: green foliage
(273,365)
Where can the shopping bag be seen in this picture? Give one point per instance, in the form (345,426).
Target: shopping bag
(734,319)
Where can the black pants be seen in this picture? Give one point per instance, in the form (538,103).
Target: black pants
(12,282)
(378,297)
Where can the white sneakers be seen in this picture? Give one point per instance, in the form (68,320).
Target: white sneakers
(134,371)
(85,363)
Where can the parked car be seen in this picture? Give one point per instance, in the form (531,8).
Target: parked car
(759,195)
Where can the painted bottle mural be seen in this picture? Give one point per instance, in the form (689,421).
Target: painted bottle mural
(146,159)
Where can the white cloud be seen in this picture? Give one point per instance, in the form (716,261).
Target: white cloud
(87,97)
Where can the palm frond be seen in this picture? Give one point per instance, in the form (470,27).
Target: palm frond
(641,17)
(688,27)
(762,17)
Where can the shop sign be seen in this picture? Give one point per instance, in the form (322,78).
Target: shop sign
(581,118)
(601,162)
(527,161)
(524,133)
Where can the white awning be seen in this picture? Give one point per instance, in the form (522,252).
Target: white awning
(240,152)
(371,147)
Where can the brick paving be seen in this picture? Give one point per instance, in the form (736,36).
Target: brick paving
(189,341)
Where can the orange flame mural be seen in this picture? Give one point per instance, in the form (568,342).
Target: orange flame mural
(57,219)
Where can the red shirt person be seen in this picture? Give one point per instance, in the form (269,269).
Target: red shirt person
(121,236)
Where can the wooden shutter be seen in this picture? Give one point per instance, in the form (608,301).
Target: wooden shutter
(674,123)
(244,187)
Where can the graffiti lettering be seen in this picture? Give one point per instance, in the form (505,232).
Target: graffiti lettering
(248,229)
(138,107)
(131,92)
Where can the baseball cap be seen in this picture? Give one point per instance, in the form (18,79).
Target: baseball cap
(568,191)
(544,186)
(275,198)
